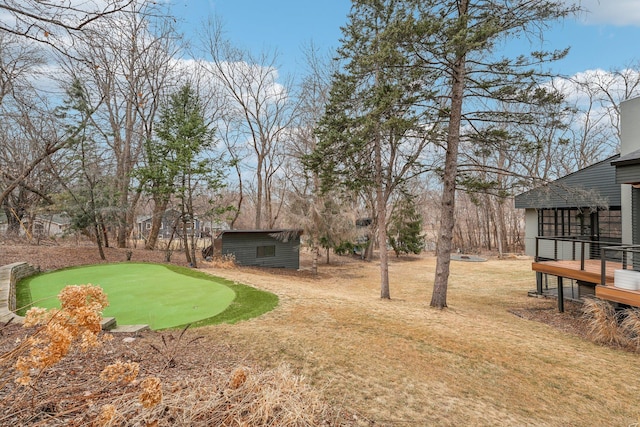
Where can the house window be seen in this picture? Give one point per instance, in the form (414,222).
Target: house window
(148,226)
(610,223)
(265,251)
(604,224)
(561,222)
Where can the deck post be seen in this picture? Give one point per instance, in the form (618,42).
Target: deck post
(560,295)
(603,267)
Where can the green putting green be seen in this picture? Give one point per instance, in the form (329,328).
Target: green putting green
(140,293)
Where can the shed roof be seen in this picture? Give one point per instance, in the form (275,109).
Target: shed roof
(592,186)
(299,231)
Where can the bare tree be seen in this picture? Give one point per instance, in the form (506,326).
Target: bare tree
(326,217)
(56,24)
(261,109)
(29,131)
(127,63)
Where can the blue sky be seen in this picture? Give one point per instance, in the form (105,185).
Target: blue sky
(285,25)
(606,37)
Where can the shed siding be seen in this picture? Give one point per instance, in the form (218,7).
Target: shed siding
(244,247)
(595,184)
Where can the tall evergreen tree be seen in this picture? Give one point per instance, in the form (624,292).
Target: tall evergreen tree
(179,166)
(367,137)
(87,186)
(458,44)
(405,227)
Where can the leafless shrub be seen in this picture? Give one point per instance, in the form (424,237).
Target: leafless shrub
(604,322)
(172,346)
(631,327)
(223,261)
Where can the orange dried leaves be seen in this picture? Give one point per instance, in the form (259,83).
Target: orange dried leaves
(120,372)
(151,392)
(78,319)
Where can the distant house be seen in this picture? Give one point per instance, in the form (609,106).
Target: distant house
(52,225)
(172,225)
(262,248)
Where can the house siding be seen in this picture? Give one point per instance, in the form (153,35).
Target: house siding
(628,174)
(244,246)
(593,185)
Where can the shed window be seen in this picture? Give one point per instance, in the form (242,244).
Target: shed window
(265,251)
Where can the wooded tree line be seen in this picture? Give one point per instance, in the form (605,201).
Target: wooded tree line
(420,121)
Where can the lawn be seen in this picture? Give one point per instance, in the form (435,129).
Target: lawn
(139,293)
(401,363)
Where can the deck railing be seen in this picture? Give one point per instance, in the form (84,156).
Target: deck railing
(623,253)
(573,248)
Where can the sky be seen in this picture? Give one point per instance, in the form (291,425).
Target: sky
(606,37)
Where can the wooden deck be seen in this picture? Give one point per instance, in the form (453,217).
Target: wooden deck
(592,273)
(571,269)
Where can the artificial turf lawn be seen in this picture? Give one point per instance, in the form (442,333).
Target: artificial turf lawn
(140,293)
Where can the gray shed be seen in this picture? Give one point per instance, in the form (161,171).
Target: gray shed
(262,248)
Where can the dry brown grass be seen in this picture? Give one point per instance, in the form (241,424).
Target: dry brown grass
(274,397)
(604,322)
(400,362)
(630,325)
(224,261)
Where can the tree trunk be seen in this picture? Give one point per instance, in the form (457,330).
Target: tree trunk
(13,220)
(381,222)
(194,260)
(259,195)
(159,207)
(105,235)
(447,215)
(185,242)
(96,228)
(314,260)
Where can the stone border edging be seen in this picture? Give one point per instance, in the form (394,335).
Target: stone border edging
(9,275)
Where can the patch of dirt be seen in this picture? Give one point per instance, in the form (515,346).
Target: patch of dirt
(570,322)
(53,257)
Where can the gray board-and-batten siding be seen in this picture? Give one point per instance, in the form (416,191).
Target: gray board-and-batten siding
(244,246)
(594,185)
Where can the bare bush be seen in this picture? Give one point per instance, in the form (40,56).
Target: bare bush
(604,322)
(631,327)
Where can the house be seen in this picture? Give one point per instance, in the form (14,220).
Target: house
(584,228)
(51,225)
(172,226)
(586,203)
(262,248)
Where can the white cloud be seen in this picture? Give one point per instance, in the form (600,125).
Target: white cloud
(613,12)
